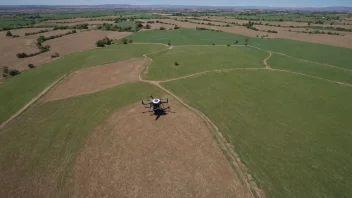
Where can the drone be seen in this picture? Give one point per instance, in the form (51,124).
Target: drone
(156,106)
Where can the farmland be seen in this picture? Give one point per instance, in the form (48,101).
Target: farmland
(248,115)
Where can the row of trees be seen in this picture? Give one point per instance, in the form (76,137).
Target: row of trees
(39,32)
(40,46)
(78,27)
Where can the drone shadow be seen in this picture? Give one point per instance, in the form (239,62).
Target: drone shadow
(161,113)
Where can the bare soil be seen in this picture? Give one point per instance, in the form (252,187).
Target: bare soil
(93,79)
(133,155)
(63,45)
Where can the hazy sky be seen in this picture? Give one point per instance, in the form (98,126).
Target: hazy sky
(274,3)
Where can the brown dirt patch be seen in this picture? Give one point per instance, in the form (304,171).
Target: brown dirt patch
(132,155)
(63,45)
(93,79)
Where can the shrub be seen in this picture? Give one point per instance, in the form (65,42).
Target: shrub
(213,43)
(103,42)
(176,63)
(162,28)
(8,33)
(246,41)
(124,41)
(31,66)
(147,26)
(22,55)
(15,36)
(55,55)
(236,42)
(14,72)
(176,27)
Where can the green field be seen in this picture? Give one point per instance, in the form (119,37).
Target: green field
(16,92)
(314,69)
(337,56)
(292,132)
(194,59)
(45,139)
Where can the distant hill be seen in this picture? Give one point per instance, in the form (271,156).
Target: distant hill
(128,6)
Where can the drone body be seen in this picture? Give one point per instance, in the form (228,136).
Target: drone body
(156,105)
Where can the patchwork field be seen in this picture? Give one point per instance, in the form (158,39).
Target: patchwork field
(247,116)
(64,45)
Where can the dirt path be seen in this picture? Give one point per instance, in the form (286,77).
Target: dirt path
(132,155)
(19,112)
(97,78)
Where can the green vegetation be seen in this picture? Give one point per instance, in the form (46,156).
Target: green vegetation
(16,92)
(337,56)
(105,41)
(194,59)
(45,139)
(314,69)
(292,132)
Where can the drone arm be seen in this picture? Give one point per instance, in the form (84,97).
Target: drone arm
(164,101)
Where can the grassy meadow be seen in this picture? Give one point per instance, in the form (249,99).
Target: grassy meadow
(313,69)
(17,91)
(292,132)
(194,59)
(337,56)
(41,144)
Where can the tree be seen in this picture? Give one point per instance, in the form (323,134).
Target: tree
(147,26)
(162,28)
(169,43)
(130,41)
(22,55)
(246,41)
(31,66)
(228,45)
(176,63)
(14,72)
(5,71)
(8,33)
(176,27)
(124,41)
(100,43)
(236,42)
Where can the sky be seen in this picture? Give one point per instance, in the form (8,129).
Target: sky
(272,3)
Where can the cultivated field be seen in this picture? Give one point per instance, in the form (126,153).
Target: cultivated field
(247,116)
(63,45)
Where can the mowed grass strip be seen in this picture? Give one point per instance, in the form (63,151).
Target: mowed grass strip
(39,148)
(292,132)
(332,55)
(15,92)
(314,69)
(185,60)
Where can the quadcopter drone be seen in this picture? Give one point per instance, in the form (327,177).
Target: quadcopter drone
(156,106)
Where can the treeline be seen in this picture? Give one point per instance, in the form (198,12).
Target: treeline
(202,28)
(39,32)
(42,48)
(78,26)
(115,27)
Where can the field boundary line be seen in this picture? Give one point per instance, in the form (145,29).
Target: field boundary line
(327,65)
(208,71)
(24,108)
(302,74)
